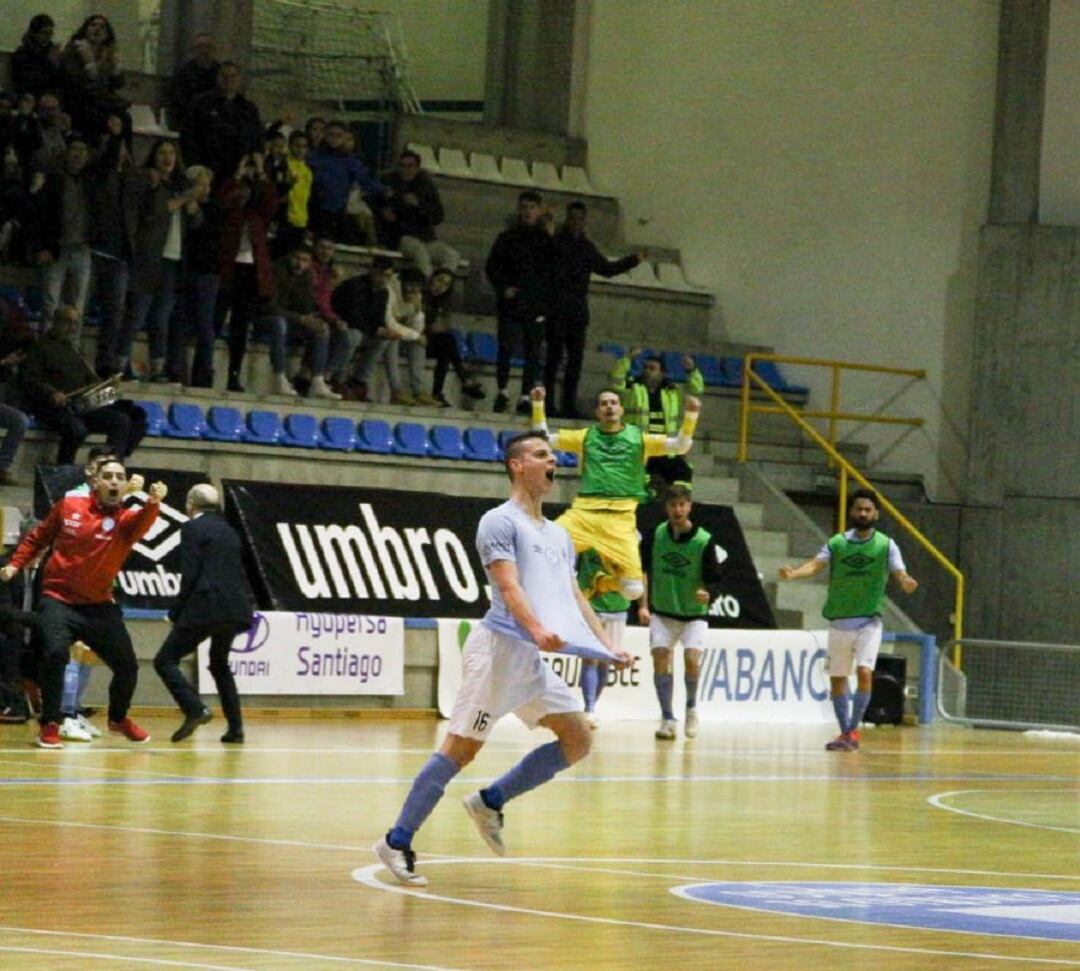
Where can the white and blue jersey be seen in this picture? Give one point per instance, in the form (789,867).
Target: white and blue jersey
(544,556)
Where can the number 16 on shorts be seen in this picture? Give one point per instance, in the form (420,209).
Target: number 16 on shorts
(481,722)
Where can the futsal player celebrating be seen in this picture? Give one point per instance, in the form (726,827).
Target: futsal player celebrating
(91,536)
(860,561)
(613,456)
(535,606)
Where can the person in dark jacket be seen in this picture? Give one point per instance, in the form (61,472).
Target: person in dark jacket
(362,302)
(35,66)
(576,257)
(521,268)
(224,125)
(214,602)
(191,80)
(335,171)
(202,280)
(411,213)
(91,76)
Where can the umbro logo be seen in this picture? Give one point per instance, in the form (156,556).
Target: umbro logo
(164,535)
(675,560)
(858,561)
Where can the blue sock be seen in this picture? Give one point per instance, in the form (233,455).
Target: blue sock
(601,678)
(691,692)
(590,685)
(842,706)
(427,790)
(858,709)
(85,673)
(69,700)
(534,770)
(665,685)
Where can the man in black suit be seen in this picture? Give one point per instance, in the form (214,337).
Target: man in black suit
(214,602)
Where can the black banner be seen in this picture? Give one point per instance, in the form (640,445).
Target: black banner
(413,554)
(150,578)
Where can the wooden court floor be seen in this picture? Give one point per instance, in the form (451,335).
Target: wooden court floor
(201,855)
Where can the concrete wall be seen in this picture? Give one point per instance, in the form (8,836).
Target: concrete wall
(1060,176)
(824,168)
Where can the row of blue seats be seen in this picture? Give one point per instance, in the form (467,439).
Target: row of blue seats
(722,372)
(221,423)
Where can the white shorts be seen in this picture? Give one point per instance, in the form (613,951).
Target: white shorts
(666,632)
(501,674)
(614,626)
(855,648)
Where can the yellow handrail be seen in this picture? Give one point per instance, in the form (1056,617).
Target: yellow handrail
(846,468)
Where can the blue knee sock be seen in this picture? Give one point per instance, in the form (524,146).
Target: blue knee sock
(861,703)
(590,679)
(601,678)
(85,673)
(427,790)
(842,706)
(534,770)
(665,685)
(691,691)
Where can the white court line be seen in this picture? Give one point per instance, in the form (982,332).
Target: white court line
(66,766)
(366,876)
(229,948)
(937,801)
(113,958)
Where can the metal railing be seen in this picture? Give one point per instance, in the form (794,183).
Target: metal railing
(846,469)
(1012,684)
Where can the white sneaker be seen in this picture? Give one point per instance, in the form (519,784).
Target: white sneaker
(400,863)
(666,731)
(489,822)
(282,385)
(320,389)
(88,726)
(72,731)
(691,723)
(592,720)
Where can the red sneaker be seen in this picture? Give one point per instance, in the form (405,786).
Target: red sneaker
(49,736)
(853,739)
(129,730)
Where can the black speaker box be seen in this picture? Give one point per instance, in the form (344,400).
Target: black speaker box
(887,695)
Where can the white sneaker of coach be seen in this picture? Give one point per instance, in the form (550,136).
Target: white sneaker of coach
(88,726)
(489,822)
(400,863)
(72,731)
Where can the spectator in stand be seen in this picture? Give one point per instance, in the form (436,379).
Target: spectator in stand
(363,302)
(410,215)
(407,333)
(291,318)
(653,402)
(343,339)
(315,130)
(361,217)
(576,257)
(41,134)
(224,125)
(441,344)
(58,233)
(335,172)
(202,276)
(164,205)
(91,76)
(51,376)
(12,420)
(248,203)
(293,214)
(35,66)
(192,79)
(112,183)
(276,161)
(521,268)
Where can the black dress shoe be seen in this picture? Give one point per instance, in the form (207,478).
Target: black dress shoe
(191,722)
(234,384)
(234,736)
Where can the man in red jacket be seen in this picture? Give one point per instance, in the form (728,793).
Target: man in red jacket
(90,536)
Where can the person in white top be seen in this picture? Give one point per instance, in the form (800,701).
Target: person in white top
(535,606)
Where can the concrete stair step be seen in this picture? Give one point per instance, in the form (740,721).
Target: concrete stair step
(767,542)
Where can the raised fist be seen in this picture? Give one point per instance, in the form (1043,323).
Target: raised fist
(157,492)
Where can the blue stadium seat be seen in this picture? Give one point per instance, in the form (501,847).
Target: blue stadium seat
(223,424)
(770,372)
(155,417)
(262,428)
(504,436)
(410,438)
(639,361)
(445,442)
(338,434)
(483,348)
(460,341)
(567,460)
(481,445)
(709,366)
(731,372)
(673,366)
(374,435)
(185,421)
(301,431)
(610,347)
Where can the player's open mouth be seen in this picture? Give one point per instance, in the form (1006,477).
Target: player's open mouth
(550,475)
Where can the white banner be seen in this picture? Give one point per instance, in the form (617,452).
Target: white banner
(288,653)
(746,676)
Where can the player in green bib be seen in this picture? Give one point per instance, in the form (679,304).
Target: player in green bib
(682,570)
(611,609)
(860,562)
